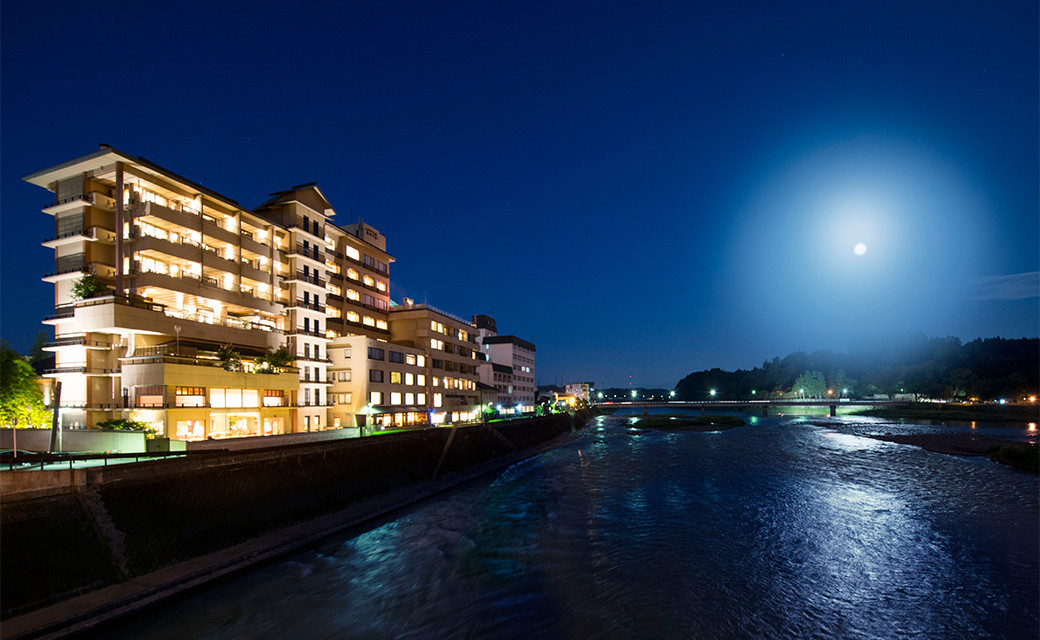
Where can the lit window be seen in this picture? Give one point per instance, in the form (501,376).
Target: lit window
(395,377)
(409,378)
(376,397)
(409,359)
(420,361)
(353,295)
(395,397)
(369,281)
(353,316)
(437,400)
(420,398)
(352,253)
(368,321)
(381,324)
(420,380)
(409,398)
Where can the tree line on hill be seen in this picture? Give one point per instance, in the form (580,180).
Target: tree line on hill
(910,366)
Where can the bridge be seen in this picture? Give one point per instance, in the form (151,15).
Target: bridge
(750,405)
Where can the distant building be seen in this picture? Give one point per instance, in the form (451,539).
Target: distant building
(580,390)
(515,360)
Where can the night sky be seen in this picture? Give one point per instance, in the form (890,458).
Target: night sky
(640,189)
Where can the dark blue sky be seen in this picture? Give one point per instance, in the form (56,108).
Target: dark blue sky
(641,190)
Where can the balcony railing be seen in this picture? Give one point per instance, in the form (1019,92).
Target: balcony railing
(87,198)
(86,232)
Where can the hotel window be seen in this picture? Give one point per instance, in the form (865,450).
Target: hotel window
(420,380)
(148,396)
(376,397)
(410,359)
(420,398)
(274,398)
(353,274)
(344,376)
(409,378)
(353,295)
(420,361)
(375,375)
(381,324)
(397,356)
(353,316)
(380,285)
(409,398)
(436,344)
(395,397)
(368,321)
(369,281)
(369,261)
(395,377)
(346,353)
(437,400)
(190,397)
(352,253)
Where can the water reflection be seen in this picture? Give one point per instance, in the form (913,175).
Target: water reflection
(793,528)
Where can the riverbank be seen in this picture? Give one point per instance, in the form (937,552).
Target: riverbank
(677,422)
(120,540)
(955,412)
(1021,455)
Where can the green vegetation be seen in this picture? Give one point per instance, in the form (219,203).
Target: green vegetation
(229,358)
(21,399)
(910,365)
(89,286)
(272,362)
(120,424)
(674,422)
(1021,455)
(958,412)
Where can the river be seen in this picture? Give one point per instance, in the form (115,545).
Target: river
(785,528)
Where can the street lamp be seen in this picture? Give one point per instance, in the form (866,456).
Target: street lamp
(712,393)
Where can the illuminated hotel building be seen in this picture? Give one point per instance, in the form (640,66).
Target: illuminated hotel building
(509,367)
(197,291)
(452,358)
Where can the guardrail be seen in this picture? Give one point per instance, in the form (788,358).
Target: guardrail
(29,460)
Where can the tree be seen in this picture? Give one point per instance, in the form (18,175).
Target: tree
(813,384)
(229,358)
(274,361)
(89,286)
(21,399)
(37,352)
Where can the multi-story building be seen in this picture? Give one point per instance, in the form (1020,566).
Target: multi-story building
(452,358)
(181,272)
(195,306)
(513,370)
(378,384)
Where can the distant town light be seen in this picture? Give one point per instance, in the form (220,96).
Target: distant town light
(1003,401)
(712,393)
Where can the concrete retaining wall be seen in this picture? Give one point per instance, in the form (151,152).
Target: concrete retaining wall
(74,440)
(65,533)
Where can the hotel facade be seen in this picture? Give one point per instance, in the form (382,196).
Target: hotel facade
(195,297)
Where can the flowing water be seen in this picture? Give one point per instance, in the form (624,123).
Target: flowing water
(785,528)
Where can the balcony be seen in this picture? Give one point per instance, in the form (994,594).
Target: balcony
(299,331)
(300,302)
(88,234)
(72,202)
(311,278)
(312,252)
(75,341)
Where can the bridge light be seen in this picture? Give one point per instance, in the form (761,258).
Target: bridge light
(712,393)
(753,392)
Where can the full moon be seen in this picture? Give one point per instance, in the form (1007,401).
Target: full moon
(860,249)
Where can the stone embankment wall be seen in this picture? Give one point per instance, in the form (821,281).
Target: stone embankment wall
(65,533)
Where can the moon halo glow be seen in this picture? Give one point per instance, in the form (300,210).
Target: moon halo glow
(859,249)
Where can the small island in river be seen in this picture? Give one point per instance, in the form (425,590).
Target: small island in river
(675,422)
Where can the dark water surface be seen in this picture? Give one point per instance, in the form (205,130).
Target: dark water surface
(785,528)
